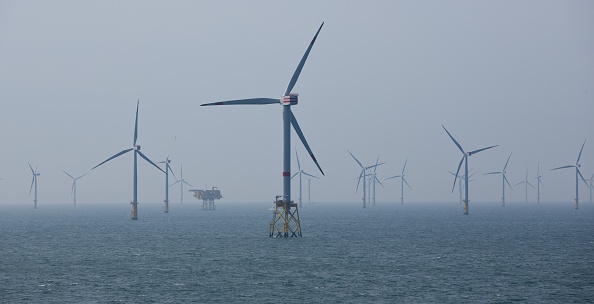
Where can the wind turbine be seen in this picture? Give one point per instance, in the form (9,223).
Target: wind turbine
(364,175)
(300,173)
(503,181)
(577,174)
(403,181)
(538,183)
(34,181)
(460,185)
(181,182)
(287,100)
(309,188)
(465,160)
(374,179)
(525,181)
(167,161)
(136,149)
(73,192)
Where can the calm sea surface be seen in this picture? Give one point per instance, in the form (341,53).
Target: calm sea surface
(416,253)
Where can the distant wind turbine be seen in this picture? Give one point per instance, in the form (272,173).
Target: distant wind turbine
(300,173)
(460,184)
(503,181)
(577,175)
(136,149)
(538,183)
(374,179)
(167,161)
(402,182)
(34,182)
(309,188)
(73,192)
(181,182)
(291,225)
(525,181)
(465,160)
(364,175)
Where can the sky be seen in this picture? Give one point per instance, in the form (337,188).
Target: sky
(381,79)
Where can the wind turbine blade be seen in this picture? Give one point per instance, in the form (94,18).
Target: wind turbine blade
(295,174)
(359,180)
(298,164)
(404,167)
(580,173)
(580,155)
(118,154)
(377,180)
(564,167)
(406,183)
(540,182)
(377,161)
(171,170)
(358,162)
(490,173)
(248,101)
(457,144)
(507,162)
(68,174)
(32,181)
(177,181)
(520,183)
(136,123)
(300,134)
(32,172)
(150,161)
(187,183)
(304,173)
(479,150)
(395,176)
(505,178)
(172,144)
(374,166)
(458,171)
(529,184)
(301,63)
(82,175)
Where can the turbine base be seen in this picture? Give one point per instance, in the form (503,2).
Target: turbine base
(576,204)
(134,214)
(285,220)
(465,207)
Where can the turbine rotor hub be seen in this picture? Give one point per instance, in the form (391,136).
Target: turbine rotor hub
(137,148)
(290,99)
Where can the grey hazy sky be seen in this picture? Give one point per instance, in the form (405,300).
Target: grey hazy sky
(381,79)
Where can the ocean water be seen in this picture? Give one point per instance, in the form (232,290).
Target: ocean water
(416,253)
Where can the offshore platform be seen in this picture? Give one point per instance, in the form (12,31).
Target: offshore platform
(208,197)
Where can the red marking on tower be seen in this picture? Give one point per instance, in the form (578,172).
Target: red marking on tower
(286,173)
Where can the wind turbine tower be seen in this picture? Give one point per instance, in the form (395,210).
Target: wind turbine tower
(403,181)
(167,161)
(465,160)
(34,182)
(73,192)
(136,149)
(577,175)
(374,179)
(503,181)
(285,221)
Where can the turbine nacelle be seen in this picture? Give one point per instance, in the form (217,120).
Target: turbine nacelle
(136,148)
(290,99)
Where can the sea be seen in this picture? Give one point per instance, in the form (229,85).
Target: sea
(387,253)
